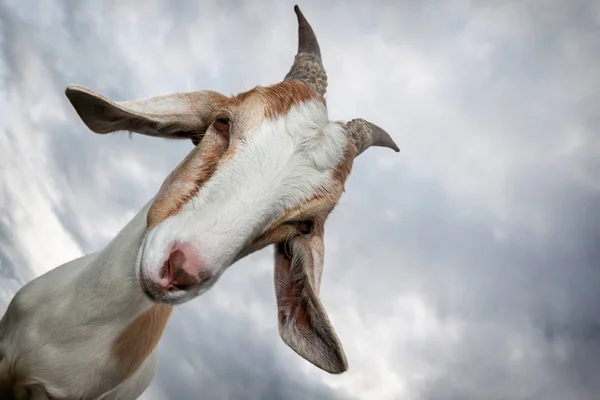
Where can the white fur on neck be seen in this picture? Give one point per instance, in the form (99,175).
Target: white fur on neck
(87,302)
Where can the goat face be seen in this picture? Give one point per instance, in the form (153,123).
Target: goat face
(268,168)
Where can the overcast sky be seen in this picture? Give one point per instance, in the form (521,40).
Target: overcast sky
(465,267)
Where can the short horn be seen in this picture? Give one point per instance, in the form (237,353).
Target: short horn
(308,66)
(364,134)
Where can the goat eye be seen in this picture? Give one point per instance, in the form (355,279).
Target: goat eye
(222,124)
(305,227)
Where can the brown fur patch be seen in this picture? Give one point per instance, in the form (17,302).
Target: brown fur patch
(185,181)
(139,339)
(279,98)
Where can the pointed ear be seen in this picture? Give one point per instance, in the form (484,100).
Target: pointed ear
(303,322)
(173,116)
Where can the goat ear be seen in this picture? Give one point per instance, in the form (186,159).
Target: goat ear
(173,116)
(303,322)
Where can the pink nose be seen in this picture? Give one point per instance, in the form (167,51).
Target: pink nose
(184,269)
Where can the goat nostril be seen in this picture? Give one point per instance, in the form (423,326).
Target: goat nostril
(179,278)
(183,270)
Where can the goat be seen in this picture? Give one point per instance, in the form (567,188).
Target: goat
(267,168)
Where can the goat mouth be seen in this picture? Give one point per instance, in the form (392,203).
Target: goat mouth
(173,294)
(170,294)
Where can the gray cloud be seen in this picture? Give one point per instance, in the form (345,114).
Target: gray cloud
(464,268)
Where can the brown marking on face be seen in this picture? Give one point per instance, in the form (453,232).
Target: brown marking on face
(186,179)
(139,339)
(278,99)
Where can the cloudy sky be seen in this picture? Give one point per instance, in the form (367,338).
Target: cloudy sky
(464,267)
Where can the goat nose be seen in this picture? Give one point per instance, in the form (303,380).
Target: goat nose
(183,269)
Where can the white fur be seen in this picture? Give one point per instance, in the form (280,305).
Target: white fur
(58,328)
(279,166)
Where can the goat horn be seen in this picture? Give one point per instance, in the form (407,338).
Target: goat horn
(308,66)
(363,134)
